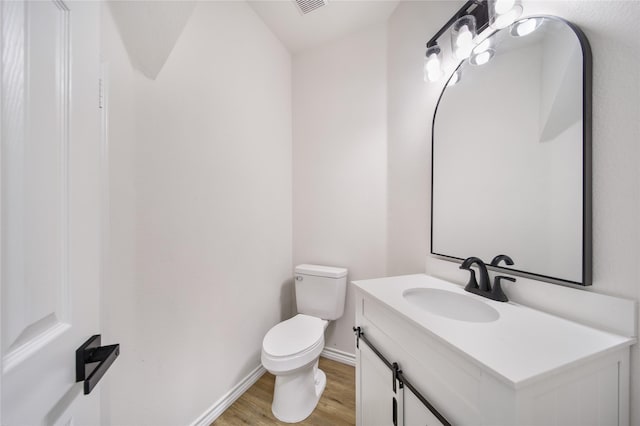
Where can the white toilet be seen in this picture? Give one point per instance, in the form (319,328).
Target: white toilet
(290,350)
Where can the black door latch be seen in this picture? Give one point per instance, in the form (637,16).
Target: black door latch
(93,360)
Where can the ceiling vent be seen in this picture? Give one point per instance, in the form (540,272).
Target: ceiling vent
(306,6)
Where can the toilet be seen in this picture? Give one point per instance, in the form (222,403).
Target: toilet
(291,349)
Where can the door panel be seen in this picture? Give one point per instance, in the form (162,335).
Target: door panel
(50,162)
(376,392)
(36,200)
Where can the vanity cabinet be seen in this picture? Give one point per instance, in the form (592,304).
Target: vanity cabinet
(590,391)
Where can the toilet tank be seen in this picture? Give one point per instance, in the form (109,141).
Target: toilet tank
(320,290)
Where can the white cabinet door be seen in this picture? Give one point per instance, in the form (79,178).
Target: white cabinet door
(416,413)
(50,228)
(375,388)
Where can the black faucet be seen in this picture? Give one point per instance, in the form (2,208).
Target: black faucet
(496,291)
(499,258)
(472,285)
(483,289)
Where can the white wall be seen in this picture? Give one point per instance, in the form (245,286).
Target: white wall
(200,214)
(339,162)
(118,290)
(409,123)
(615,42)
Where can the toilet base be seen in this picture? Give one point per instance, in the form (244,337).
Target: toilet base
(296,395)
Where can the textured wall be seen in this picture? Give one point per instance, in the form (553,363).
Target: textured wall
(201,214)
(150,45)
(339,162)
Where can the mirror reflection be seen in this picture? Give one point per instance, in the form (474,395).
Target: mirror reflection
(508,153)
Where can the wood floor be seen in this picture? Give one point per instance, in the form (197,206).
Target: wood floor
(337,405)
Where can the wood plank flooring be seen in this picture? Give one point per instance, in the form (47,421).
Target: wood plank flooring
(337,405)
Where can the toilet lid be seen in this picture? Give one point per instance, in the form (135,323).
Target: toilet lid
(293,335)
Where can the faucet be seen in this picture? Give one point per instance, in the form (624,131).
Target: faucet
(499,258)
(496,291)
(472,285)
(483,289)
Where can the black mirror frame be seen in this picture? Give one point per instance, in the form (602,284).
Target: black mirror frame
(587,250)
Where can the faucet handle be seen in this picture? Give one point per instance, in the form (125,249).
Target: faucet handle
(472,284)
(496,290)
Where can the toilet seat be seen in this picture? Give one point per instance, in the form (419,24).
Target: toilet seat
(293,343)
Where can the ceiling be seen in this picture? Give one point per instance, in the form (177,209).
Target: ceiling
(330,22)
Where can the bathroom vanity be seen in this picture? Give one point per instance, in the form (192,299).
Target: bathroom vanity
(481,362)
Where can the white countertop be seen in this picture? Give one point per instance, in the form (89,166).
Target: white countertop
(522,346)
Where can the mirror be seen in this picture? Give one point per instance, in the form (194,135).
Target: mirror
(511,155)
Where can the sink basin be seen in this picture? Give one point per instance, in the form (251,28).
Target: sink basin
(451,305)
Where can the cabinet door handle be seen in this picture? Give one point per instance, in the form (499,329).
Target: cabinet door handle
(395,412)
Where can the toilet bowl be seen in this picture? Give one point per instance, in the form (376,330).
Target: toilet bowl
(290,351)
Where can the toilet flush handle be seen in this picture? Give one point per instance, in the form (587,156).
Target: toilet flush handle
(299,278)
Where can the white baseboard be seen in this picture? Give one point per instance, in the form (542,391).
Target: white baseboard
(340,356)
(229,398)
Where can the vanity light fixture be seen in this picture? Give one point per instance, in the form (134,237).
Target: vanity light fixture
(503,13)
(463,32)
(525,27)
(464,26)
(482,58)
(482,53)
(433,64)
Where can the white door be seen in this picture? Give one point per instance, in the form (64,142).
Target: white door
(50,208)
(375,390)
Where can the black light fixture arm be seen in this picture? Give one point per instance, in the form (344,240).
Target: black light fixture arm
(477,8)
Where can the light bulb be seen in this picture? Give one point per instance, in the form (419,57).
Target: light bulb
(455,78)
(482,47)
(525,27)
(432,76)
(464,37)
(463,32)
(505,20)
(483,58)
(463,53)
(503,13)
(433,64)
(464,43)
(503,6)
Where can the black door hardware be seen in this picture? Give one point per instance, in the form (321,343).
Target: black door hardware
(93,360)
(394,409)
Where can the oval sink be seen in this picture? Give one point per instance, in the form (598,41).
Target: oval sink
(451,305)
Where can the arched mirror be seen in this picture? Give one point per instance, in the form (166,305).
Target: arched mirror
(511,154)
